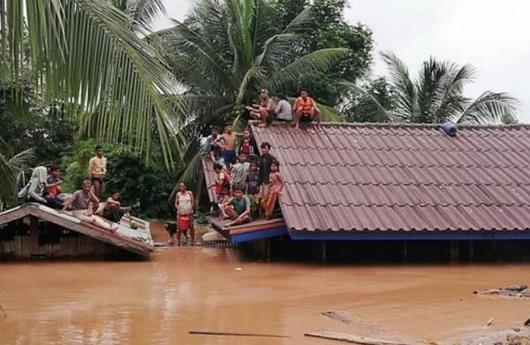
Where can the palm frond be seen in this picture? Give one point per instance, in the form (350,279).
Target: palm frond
(489,107)
(329,114)
(84,53)
(317,61)
(142,12)
(9,170)
(451,101)
(377,110)
(406,94)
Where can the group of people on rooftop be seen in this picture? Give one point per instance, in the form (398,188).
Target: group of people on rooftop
(247,183)
(304,109)
(45,186)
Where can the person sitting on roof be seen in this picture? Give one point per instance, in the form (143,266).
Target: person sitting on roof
(82,202)
(239,172)
(185,206)
(263,110)
(113,210)
(248,146)
(283,111)
(269,201)
(34,190)
(305,109)
(237,208)
(53,188)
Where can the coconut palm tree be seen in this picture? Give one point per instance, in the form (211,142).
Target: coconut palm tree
(84,54)
(227,50)
(436,95)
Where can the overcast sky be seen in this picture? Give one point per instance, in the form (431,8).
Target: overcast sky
(493,36)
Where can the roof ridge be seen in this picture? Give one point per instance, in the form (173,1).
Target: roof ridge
(436,184)
(404,125)
(408,204)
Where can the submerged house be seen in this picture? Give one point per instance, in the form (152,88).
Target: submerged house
(36,231)
(373,182)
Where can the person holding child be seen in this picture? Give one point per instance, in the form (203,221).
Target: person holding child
(185,206)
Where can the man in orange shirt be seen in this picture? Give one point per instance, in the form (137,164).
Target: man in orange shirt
(306,110)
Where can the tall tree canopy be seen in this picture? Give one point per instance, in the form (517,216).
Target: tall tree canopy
(437,94)
(330,29)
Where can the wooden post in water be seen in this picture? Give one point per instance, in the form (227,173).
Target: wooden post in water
(268,248)
(454,251)
(324,252)
(471,250)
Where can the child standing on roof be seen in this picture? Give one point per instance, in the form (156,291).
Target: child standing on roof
(269,201)
(221,185)
(239,172)
(248,146)
(252,187)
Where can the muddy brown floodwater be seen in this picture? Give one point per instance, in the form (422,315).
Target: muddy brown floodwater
(159,301)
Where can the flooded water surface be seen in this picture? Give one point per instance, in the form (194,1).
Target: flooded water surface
(160,301)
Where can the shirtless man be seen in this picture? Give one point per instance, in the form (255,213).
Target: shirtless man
(262,110)
(227,141)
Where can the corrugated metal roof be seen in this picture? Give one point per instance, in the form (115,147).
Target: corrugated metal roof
(397,177)
(138,241)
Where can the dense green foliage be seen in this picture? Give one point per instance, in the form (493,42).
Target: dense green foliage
(369,102)
(87,56)
(138,182)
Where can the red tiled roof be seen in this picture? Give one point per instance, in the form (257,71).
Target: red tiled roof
(396,177)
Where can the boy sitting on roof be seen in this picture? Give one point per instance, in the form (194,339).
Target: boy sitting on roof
(113,210)
(306,110)
(237,208)
(53,188)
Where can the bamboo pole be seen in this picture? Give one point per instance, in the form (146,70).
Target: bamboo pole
(238,334)
(350,338)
